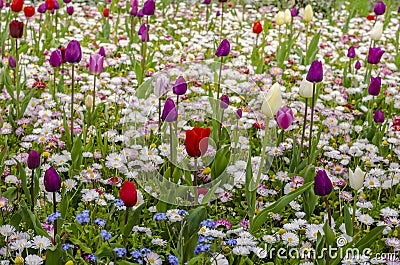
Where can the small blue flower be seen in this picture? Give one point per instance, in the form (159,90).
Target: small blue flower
(105,235)
(202,248)
(120,252)
(66,246)
(119,202)
(92,257)
(145,250)
(231,242)
(183,212)
(173,260)
(136,254)
(159,217)
(83,217)
(100,222)
(202,239)
(207,223)
(52,217)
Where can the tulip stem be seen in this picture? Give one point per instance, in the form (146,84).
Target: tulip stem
(304,126)
(32,191)
(171,151)
(16,65)
(54,211)
(159,115)
(354,207)
(219,77)
(311,124)
(306,37)
(329,211)
(264,146)
(126,215)
(219,130)
(54,84)
(72,106)
(94,95)
(222,18)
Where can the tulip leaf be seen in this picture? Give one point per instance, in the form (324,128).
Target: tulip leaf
(348,221)
(54,256)
(277,206)
(133,220)
(329,235)
(22,176)
(370,238)
(124,262)
(76,154)
(145,89)
(10,194)
(220,162)
(312,49)
(31,220)
(345,28)
(250,194)
(189,233)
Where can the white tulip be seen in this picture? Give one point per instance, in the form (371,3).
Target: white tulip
(308,14)
(356,178)
(272,101)
(306,89)
(376,32)
(288,16)
(280,18)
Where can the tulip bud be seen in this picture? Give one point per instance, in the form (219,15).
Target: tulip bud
(351,52)
(380,8)
(257,27)
(239,113)
(315,73)
(224,104)
(308,14)
(89,102)
(16,5)
(55,58)
(294,12)
(169,113)
(161,84)
(33,159)
(306,89)
(280,18)
(376,32)
(375,86)
(223,49)
(29,11)
(272,101)
(149,7)
(96,64)
(11,61)
(180,86)
(288,16)
(322,185)
(52,181)
(356,178)
(375,55)
(379,117)
(70,10)
(357,65)
(16,29)
(128,194)
(42,8)
(73,52)
(284,117)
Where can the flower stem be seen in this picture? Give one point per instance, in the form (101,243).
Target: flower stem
(264,146)
(329,211)
(32,190)
(55,210)
(219,77)
(72,106)
(354,207)
(311,124)
(304,125)
(94,94)
(171,151)
(126,215)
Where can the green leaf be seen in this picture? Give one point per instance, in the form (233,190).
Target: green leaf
(54,256)
(250,194)
(189,233)
(329,235)
(76,154)
(133,220)
(22,175)
(345,28)
(220,163)
(312,49)
(10,194)
(370,238)
(145,89)
(348,221)
(277,206)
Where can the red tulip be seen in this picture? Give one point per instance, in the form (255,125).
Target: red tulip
(371,17)
(16,29)
(128,194)
(106,12)
(197,141)
(257,27)
(29,11)
(50,4)
(17,5)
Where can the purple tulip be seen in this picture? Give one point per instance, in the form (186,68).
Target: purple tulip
(73,52)
(11,61)
(322,184)
(96,64)
(379,117)
(375,86)
(293,12)
(67,1)
(144,32)
(223,49)
(134,7)
(207,2)
(1,4)
(169,113)
(140,13)
(180,86)
(375,55)
(52,181)
(161,84)
(380,8)
(239,113)
(398,10)
(55,58)
(315,73)
(284,117)
(42,8)
(56,5)
(102,51)
(70,10)
(33,159)
(224,104)
(351,52)
(149,7)
(358,65)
